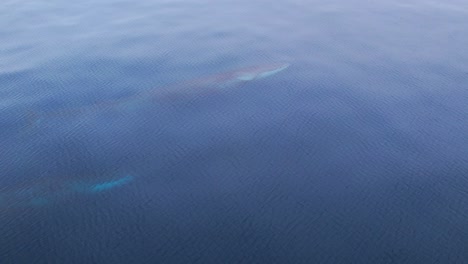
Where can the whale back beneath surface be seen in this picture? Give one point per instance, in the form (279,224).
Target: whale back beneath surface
(188,90)
(44,190)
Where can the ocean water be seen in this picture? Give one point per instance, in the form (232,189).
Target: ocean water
(355,153)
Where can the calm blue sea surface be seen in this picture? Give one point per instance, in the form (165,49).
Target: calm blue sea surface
(128,134)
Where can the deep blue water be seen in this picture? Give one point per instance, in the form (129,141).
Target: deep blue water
(356,153)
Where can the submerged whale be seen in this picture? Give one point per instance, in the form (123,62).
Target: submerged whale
(44,190)
(188,90)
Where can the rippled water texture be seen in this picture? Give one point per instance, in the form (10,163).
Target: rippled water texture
(233,131)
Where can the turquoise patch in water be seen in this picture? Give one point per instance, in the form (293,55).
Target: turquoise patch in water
(110,184)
